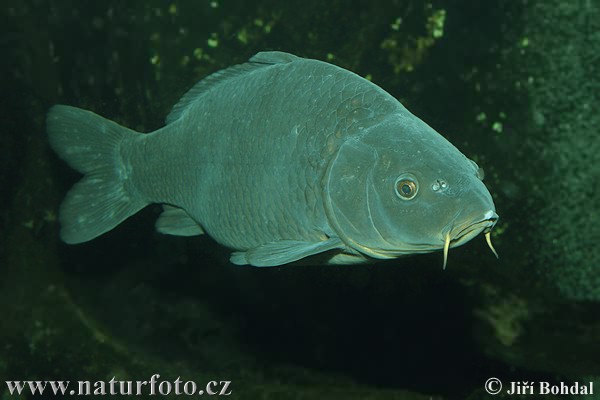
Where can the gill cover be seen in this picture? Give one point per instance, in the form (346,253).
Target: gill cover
(350,196)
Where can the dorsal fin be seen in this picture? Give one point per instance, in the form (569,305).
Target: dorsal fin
(259,60)
(273,57)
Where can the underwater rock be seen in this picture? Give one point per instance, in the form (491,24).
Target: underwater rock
(561,64)
(539,309)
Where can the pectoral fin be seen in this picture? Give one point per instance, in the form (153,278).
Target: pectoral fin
(348,259)
(176,221)
(283,252)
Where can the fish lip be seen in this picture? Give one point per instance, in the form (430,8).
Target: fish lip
(459,234)
(465,232)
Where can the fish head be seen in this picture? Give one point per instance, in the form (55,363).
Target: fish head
(400,188)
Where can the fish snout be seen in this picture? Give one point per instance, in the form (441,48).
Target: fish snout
(491,217)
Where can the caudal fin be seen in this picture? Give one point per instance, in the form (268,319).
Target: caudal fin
(92,145)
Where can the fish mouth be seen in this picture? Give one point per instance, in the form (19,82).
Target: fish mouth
(461,234)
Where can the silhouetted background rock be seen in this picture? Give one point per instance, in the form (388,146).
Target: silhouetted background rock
(514,85)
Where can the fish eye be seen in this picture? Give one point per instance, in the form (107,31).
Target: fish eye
(406,187)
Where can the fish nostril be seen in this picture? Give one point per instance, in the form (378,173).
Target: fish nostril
(439,185)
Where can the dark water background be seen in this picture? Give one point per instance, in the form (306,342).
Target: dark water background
(513,84)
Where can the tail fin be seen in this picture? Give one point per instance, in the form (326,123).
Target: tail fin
(92,145)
